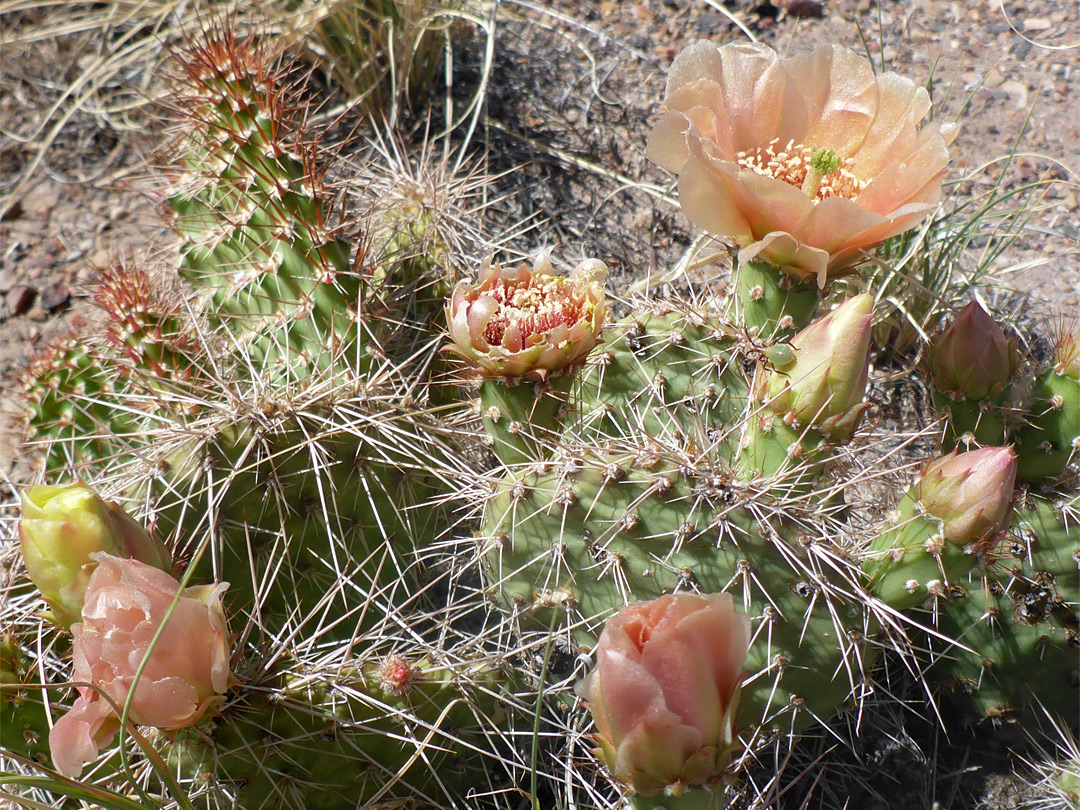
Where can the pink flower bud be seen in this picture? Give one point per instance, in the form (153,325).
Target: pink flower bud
(517,322)
(971,359)
(62,527)
(664,691)
(971,493)
(187,672)
(825,381)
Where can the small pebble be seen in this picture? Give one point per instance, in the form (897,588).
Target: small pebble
(20,298)
(55,297)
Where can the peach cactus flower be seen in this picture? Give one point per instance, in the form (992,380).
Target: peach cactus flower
(803,162)
(517,322)
(664,691)
(187,672)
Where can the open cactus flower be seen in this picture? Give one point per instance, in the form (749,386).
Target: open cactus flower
(527,323)
(664,693)
(803,162)
(62,527)
(187,671)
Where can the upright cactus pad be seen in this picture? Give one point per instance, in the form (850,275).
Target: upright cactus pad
(1018,623)
(254,213)
(645,495)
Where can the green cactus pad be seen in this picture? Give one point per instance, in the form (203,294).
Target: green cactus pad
(356,738)
(307,515)
(605,529)
(1020,621)
(1051,439)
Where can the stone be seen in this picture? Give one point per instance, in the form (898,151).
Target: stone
(55,297)
(20,298)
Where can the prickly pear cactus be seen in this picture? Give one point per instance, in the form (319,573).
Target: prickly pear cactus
(1023,610)
(393,728)
(279,409)
(650,490)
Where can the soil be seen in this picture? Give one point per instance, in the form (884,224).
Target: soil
(572,93)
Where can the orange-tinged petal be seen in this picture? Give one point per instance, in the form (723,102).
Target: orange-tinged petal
(753,84)
(667,142)
(892,136)
(834,222)
(783,250)
(713,198)
(830,100)
(77,738)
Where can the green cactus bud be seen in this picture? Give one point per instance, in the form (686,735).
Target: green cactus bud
(825,382)
(971,359)
(61,527)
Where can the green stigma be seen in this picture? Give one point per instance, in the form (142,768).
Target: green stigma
(823,162)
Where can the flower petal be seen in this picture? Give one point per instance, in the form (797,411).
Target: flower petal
(753,85)
(902,104)
(783,250)
(621,689)
(78,736)
(830,100)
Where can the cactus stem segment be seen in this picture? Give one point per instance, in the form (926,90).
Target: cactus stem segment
(770,303)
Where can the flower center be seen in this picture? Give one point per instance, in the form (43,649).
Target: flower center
(535,306)
(819,173)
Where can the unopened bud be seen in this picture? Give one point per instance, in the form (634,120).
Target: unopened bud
(971,359)
(971,493)
(61,527)
(824,383)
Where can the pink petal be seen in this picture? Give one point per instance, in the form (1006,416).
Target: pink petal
(78,736)
(829,101)
(701,60)
(682,672)
(702,104)
(477,315)
(753,84)
(621,691)
(722,636)
(899,182)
